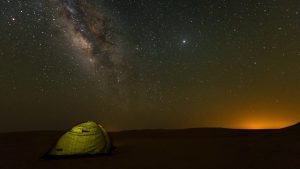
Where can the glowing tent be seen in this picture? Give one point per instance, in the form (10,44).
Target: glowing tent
(86,138)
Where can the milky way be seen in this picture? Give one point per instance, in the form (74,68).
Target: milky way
(133,64)
(92,35)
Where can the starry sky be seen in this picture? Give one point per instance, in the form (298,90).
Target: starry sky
(136,64)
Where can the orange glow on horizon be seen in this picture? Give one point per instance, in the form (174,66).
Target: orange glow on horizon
(258,117)
(263,123)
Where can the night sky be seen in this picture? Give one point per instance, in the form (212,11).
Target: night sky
(136,64)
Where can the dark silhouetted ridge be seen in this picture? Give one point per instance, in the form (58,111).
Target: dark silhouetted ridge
(293,127)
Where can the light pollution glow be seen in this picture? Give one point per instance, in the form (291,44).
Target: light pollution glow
(264,124)
(250,118)
(263,121)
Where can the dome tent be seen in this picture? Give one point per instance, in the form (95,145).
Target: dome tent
(87,138)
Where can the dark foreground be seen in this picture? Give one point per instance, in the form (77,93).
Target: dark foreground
(164,149)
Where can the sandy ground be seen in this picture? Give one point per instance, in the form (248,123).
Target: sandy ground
(164,149)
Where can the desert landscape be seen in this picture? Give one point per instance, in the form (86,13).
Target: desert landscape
(176,84)
(207,148)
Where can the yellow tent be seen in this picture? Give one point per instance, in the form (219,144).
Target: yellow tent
(87,138)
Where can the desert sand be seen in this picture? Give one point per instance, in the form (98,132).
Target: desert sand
(203,148)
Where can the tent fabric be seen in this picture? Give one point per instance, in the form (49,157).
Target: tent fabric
(87,138)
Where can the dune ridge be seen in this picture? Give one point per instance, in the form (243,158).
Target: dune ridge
(208,148)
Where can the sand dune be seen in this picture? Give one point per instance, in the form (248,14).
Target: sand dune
(205,148)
